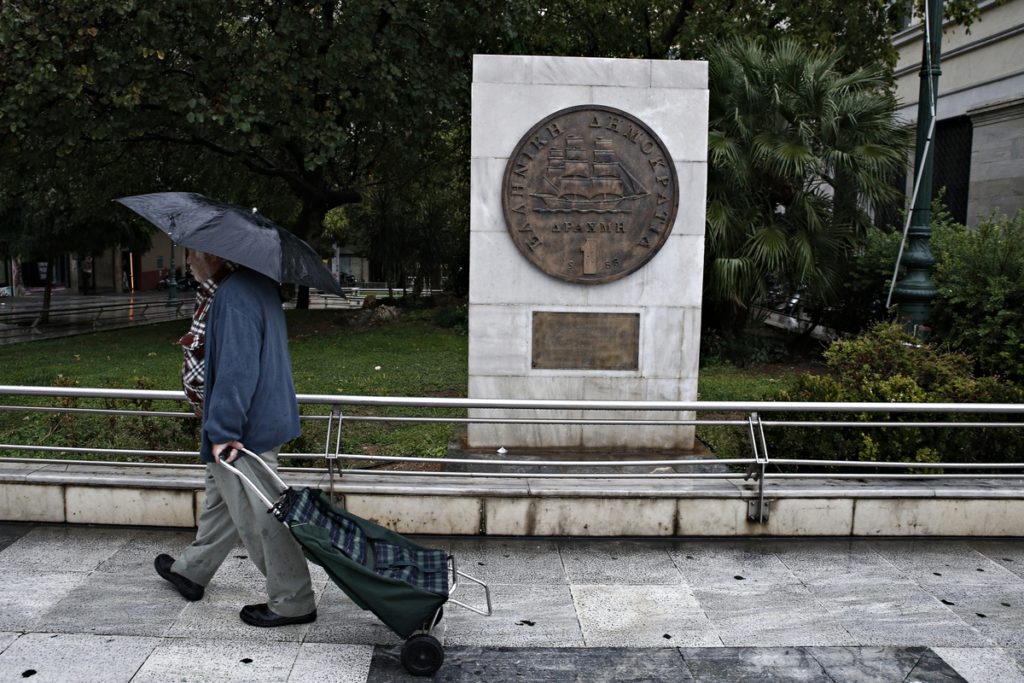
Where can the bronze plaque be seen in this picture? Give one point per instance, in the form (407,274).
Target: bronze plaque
(590,194)
(586,341)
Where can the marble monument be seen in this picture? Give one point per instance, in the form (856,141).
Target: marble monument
(586,244)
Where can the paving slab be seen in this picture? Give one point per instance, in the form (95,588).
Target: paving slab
(753,664)
(17,472)
(524,616)
(331,662)
(896,614)
(215,617)
(618,561)
(113,604)
(131,476)
(510,561)
(982,664)
(62,548)
(1007,554)
(218,660)
(642,616)
(75,657)
(841,561)
(872,664)
(759,615)
(339,620)
(852,608)
(1018,656)
(995,612)
(813,664)
(27,595)
(9,533)
(944,563)
(932,669)
(141,547)
(725,563)
(537,665)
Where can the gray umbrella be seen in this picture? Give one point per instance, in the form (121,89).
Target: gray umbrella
(235,234)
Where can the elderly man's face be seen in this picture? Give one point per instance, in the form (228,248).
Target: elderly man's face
(203,264)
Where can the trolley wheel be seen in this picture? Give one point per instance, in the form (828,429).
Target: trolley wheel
(422,655)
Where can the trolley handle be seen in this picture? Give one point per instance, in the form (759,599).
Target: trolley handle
(248,482)
(456,573)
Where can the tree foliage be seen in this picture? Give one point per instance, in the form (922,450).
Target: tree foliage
(318,96)
(797,149)
(300,107)
(663,29)
(979,309)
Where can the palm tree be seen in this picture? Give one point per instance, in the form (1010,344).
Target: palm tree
(798,151)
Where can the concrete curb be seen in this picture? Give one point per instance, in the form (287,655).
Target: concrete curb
(80,493)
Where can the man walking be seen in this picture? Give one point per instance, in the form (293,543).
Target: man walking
(237,375)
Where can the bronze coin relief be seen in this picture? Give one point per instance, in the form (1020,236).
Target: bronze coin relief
(590,194)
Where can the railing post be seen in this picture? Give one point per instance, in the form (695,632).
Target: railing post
(336,412)
(757,509)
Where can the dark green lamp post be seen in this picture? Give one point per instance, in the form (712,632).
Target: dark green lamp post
(914,293)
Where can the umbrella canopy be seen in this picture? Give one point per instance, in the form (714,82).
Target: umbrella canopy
(240,235)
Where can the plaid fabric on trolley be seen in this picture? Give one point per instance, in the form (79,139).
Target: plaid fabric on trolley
(426,569)
(345,535)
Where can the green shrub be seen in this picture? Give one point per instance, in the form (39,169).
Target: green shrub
(980,306)
(888,365)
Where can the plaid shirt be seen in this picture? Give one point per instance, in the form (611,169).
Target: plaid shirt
(194,342)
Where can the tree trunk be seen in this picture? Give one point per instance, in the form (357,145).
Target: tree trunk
(417,285)
(308,226)
(47,292)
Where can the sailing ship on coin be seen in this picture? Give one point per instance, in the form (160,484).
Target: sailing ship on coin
(583,180)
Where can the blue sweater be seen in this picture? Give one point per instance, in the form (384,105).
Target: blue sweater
(249,395)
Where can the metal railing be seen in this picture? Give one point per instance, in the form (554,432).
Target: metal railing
(354,295)
(337,411)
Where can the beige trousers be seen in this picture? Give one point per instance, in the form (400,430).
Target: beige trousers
(231,511)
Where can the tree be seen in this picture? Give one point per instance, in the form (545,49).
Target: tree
(49,206)
(318,97)
(299,107)
(797,149)
(415,228)
(686,29)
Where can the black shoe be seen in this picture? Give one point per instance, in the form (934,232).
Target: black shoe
(260,615)
(189,590)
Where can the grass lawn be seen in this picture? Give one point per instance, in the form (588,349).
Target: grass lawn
(750,383)
(411,357)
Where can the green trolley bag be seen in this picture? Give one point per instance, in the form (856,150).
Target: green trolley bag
(404,584)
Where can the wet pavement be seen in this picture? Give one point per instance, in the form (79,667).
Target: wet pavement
(71,313)
(81,604)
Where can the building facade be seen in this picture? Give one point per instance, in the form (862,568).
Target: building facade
(979,132)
